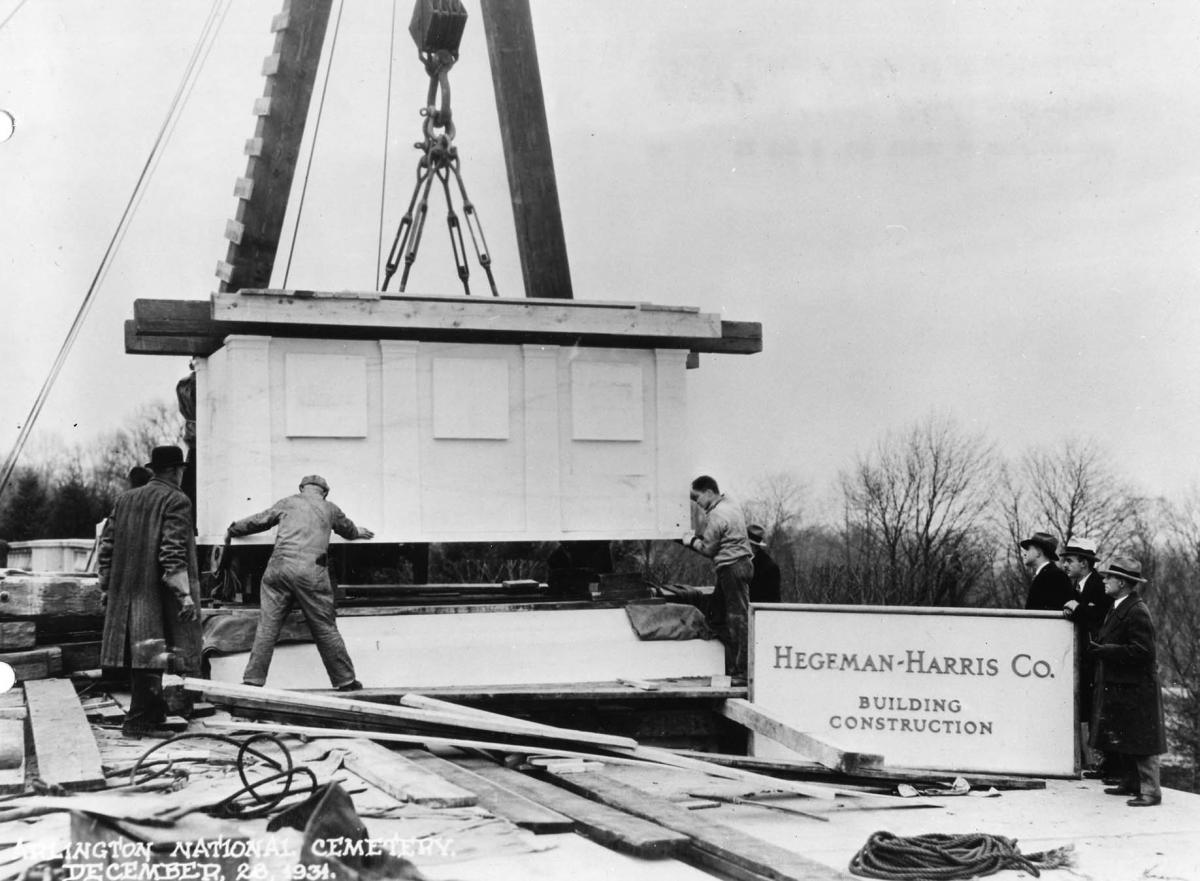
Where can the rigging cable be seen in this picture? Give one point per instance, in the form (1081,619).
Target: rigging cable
(16,9)
(387,130)
(177,102)
(337,26)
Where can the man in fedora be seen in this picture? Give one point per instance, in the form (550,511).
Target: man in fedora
(1087,610)
(765,585)
(298,575)
(1050,589)
(1128,714)
(150,587)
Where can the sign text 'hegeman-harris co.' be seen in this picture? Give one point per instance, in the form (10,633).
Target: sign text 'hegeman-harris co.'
(966,690)
(916,661)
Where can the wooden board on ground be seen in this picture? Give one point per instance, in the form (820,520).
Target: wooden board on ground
(605,825)
(17,635)
(712,843)
(761,722)
(12,756)
(399,777)
(66,751)
(34,664)
(518,810)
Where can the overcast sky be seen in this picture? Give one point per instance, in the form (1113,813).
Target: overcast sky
(990,210)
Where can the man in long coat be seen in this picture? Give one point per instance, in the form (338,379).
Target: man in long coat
(1127,713)
(151,589)
(1087,611)
(297,575)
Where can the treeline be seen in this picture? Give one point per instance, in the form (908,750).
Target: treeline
(63,491)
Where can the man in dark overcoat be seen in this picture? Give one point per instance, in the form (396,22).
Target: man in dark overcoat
(766,585)
(1050,590)
(1087,611)
(1128,716)
(151,590)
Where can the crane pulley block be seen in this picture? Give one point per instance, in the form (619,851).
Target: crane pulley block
(438,25)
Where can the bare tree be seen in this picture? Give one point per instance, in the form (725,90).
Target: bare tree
(916,515)
(1070,491)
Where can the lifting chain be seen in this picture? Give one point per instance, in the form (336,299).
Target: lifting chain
(437,28)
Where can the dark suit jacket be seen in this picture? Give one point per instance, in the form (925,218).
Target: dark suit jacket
(1050,590)
(1094,604)
(1128,701)
(765,585)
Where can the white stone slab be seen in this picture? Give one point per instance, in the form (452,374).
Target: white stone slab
(489,648)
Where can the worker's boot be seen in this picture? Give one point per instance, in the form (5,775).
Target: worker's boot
(351,686)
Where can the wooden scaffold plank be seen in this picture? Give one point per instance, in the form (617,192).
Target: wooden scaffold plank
(66,750)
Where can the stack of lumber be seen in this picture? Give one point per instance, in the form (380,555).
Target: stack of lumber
(61,744)
(50,624)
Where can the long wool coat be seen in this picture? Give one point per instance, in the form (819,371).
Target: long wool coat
(149,536)
(1127,705)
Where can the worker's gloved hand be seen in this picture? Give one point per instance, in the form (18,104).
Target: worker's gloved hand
(687,538)
(187,610)
(365,533)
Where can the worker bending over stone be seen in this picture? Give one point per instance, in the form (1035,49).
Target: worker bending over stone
(298,575)
(723,539)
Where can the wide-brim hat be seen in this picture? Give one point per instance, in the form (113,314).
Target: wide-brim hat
(162,458)
(1080,547)
(1123,567)
(1044,540)
(315,480)
(756,533)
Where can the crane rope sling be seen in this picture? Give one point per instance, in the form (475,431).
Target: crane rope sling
(437,28)
(204,44)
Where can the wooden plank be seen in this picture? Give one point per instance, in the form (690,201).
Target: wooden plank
(291,71)
(886,774)
(66,751)
(520,811)
(28,596)
(39,663)
(192,319)
(384,715)
(707,836)
(17,635)
(399,777)
(369,309)
(605,825)
(761,722)
(521,110)
(762,781)
(168,345)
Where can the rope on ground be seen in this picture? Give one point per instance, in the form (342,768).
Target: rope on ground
(939,857)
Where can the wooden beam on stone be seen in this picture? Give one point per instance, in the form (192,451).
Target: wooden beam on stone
(386,715)
(161,344)
(41,596)
(761,722)
(15,635)
(66,750)
(525,135)
(12,756)
(291,71)
(37,663)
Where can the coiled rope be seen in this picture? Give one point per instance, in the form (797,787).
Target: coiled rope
(938,857)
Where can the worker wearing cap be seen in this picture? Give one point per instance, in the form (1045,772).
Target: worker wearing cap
(297,575)
(1050,589)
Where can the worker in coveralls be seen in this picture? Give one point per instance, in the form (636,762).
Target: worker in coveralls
(298,575)
(150,590)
